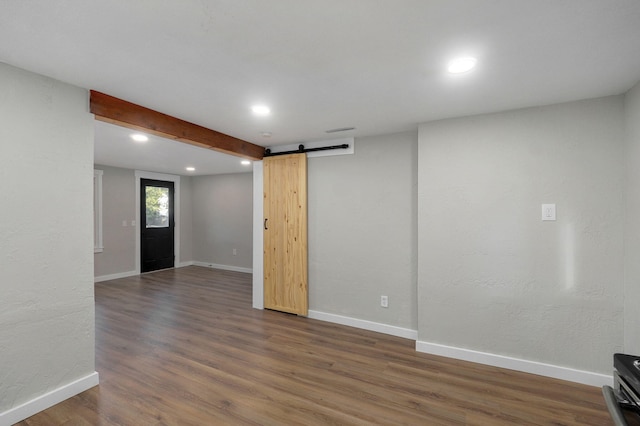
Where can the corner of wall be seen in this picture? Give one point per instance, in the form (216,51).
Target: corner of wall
(632,221)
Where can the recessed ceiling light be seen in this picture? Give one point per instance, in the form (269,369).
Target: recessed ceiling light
(460,65)
(245,162)
(261,110)
(190,169)
(139,137)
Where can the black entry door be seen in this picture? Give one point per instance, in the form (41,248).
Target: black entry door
(157,225)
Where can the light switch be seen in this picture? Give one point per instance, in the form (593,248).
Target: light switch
(548,212)
(124,223)
(133,223)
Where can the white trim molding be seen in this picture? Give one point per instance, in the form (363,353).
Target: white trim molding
(49,399)
(365,325)
(526,366)
(115,276)
(223,267)
(258,236)
(140,174)
(134,273)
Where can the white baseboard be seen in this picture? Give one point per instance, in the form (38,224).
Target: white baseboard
(47,400)
(115,276)
(364,324)
(223,267)
(133,273)
(533,367)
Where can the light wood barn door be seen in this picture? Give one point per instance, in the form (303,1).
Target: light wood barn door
(285,233)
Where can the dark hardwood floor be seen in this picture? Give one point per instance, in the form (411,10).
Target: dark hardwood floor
(184,347)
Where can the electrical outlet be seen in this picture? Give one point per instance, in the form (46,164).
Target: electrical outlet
(548,212)
(384,301)
(235,252)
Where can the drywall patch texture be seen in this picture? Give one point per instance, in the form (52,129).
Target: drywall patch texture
(362,231)
(495,278)
(46,236)
(632,223)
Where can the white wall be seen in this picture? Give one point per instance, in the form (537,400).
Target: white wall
(186,220)
(46,242)
(493,277)
(362,231)
(222,220)
(118,209)
(632,223)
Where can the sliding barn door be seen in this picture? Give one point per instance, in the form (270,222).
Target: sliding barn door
(285,233)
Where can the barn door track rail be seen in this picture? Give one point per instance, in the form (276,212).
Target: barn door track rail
(301,149)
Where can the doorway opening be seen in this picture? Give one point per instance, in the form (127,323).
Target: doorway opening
(157,221)
(157,243)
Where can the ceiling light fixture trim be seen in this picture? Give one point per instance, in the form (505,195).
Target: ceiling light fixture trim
(461,65)
(261,110)
(139,137)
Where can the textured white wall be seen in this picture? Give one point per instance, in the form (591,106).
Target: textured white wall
(632,223)
(362,231)
(118,205)
(492,277)
(46,236)
(222,219)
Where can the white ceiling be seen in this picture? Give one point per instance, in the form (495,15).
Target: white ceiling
(114,147)
(377,65)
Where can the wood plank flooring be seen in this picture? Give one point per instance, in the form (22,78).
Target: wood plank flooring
(184,347)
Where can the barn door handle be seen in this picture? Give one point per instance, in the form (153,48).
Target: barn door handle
(265,224)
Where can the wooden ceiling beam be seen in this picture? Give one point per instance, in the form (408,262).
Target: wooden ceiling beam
(117,111)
